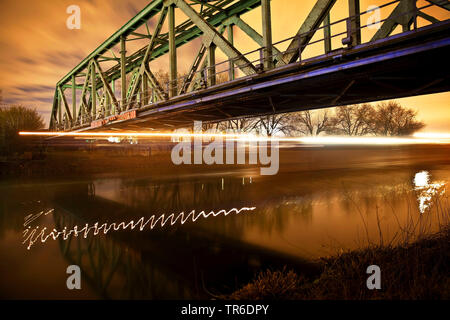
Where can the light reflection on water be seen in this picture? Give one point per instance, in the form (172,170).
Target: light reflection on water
(427,192)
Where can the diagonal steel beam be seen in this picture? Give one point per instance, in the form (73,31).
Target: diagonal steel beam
(307,30)
(66,105)
(252,33)
(193,69)
(84,104)
(155,85)
(53,119)
(106,85)
(147,55)
(402,14)
(197,75)
(151,45)
(427,17)
(444,4)
(210,32)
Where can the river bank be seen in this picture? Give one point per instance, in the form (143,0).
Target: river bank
(419,270)
(157,160)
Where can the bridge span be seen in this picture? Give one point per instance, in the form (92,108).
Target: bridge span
(319,68)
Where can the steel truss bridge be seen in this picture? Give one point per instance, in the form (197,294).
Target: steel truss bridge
(407,55)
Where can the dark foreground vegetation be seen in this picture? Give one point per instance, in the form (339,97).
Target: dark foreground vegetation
(419,270)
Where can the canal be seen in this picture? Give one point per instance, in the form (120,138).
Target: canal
(228,223)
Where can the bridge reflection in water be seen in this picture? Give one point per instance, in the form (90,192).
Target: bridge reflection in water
(175,261)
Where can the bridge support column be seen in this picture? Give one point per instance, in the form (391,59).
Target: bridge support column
(123,75)
(59,109)
(113,90)
(355,21)
(211,64)
(74,99)
(230,34)
(145,94)
(267,34)
(93,92)
(172,53)
(108,105)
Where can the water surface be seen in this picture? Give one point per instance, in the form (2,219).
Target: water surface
(321,202)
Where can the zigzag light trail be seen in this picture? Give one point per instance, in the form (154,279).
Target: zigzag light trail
(33,235)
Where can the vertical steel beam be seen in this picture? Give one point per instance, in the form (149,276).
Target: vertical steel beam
(74,98)
(327,33)
(172,53)
(53,117)
(62,98)
(123,72)
(84,105)
(59,108)
(230,35)
(211,64)
(145,94)
(108,105)
(113,90)
(355,21)
(267,34)
(93,91)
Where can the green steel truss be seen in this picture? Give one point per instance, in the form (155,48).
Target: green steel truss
(92,85)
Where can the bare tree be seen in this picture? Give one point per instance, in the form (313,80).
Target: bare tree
(310,123)
(241,125)
(211,126)
(272,124)
(14,119)
(353,120)
(391,119)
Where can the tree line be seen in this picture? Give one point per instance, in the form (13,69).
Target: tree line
(382,119)
(13,119)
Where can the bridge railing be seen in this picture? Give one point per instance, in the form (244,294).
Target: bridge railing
(230,68)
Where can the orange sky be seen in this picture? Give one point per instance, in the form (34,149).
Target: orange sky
(38,49)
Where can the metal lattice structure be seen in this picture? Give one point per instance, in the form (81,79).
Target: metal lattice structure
(95,102)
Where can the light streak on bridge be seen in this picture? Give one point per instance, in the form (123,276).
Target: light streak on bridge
(325,140)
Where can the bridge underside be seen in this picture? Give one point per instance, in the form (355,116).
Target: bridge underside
(413,63)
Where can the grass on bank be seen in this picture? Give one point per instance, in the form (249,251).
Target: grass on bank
(413,268)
